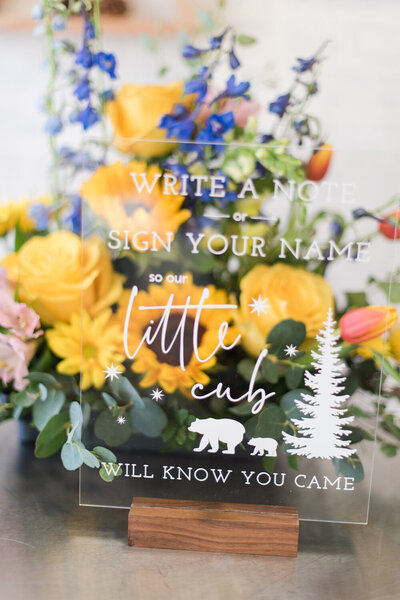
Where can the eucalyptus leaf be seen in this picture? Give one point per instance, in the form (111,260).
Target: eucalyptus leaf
(76,417)
(90,459)
(71,456)
(294,377)
(124,392)
(269,463)
(25,398)
(53,436)
(108,474)
(42,391)
(285,333)
(44,378)
(349,467)
(270,370)
(104,454)
(149,420)
(288,404)
(269,423)
(112,433)
(109,400)
(43,411)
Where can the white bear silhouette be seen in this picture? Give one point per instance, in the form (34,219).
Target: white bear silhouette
(261,445)
(218,430)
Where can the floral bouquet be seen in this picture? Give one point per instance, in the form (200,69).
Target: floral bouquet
(192,187)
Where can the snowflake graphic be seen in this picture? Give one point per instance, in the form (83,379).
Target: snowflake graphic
(291,350)
(112,372)
(121,420)
(259,305)
(157,394)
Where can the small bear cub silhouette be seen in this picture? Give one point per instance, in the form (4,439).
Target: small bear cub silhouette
(262,445)
(218,430)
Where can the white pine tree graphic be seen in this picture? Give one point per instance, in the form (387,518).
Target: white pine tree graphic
(321,430)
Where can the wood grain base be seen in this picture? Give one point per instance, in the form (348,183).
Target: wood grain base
(213,527)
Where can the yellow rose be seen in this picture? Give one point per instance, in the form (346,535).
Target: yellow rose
(270,294)
(52,272)
(136,112)
(395,342)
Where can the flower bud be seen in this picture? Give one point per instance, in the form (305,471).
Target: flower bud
(362,324)
(319,163)
(390,226)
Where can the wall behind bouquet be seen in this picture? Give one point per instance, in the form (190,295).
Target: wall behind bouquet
(360,82)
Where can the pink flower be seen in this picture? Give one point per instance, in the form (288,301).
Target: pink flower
(16,317)
(14,359)
(242,109)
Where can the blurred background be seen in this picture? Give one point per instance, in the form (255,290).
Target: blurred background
(359,86)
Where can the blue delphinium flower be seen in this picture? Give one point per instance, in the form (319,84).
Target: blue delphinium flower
(304,64)
(233,89)
(73,219)
(279,106)
(216,40)
(106,62)
(58,23)
(82,90)
(179,123)
(233,60)
(53,125)
(87,117)
(216,127)
(107,95)
(198,85)
(40,214)
(192,52)
(88,30)
(84,57)
(37,13)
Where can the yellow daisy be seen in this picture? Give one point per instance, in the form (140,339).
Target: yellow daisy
(165,369)
(17,213)
(98,348)
(112,194)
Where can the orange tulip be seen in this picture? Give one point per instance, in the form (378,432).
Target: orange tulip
(362,324)
(319,162)
(390,226)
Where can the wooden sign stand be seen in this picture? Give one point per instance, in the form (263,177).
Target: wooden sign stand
(213,527)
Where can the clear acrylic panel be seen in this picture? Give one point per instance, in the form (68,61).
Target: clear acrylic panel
(226,373)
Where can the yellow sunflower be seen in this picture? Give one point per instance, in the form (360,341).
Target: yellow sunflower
(112,194)
(165,369)
(98,348)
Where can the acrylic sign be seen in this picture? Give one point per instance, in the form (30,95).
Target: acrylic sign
(228,370)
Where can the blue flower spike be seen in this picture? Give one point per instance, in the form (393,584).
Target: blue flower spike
(279,106)
(106,63)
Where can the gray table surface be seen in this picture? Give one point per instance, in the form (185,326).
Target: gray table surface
(50,548)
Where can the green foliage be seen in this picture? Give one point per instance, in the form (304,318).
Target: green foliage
(149,420)
(269,463)
(112,433)
(47,408)
(349,467)
(356,299)
(288,404)
(269,423)
(294,377)
(109,471)
(283,334)
(246,368)
(124,392)
(71,456)
(245,40)
(270,370)
(389,450)
(52,436)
